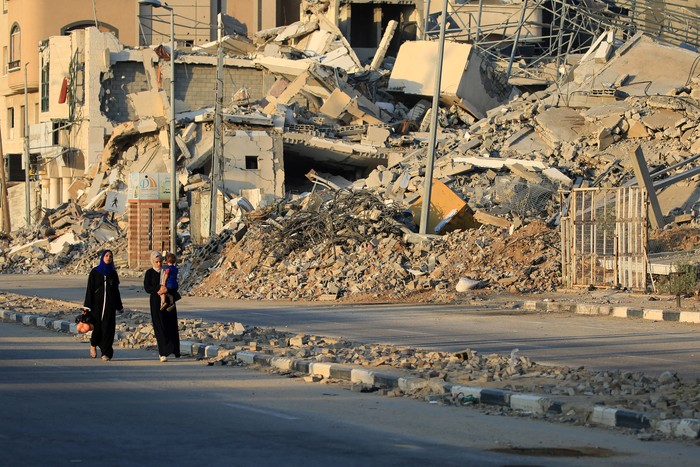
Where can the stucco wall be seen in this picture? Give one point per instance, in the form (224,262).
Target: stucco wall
(267,149)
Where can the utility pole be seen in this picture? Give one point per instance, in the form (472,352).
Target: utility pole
(27,191)
(428,183)
(217,153)
(6,226)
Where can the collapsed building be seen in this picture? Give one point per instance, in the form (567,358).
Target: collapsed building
(303,112)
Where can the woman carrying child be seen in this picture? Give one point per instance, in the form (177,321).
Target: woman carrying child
(165,324)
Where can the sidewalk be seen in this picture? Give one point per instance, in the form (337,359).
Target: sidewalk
(613,304)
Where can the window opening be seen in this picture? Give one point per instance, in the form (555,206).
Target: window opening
(251,162)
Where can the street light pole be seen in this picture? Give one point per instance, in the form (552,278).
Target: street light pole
(173,161)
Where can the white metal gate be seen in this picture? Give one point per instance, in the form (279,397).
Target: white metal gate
(604,237)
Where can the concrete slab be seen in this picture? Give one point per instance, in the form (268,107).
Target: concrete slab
(561,124)
(461,81)
(522,172)
(639,57)
(662,119)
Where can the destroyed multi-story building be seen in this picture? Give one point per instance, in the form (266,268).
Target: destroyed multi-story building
(302,108)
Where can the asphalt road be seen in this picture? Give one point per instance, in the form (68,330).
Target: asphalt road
(61,408)
(595,342)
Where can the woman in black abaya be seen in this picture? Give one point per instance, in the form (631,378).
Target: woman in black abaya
(102,300)
(164,322)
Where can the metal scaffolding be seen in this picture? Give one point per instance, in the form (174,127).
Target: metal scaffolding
(531,39)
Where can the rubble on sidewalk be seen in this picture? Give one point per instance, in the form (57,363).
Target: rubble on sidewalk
(666,395)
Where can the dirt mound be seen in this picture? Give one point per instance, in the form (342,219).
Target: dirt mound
(676,238)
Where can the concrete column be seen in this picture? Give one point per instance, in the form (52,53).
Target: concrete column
(65,183)
(44,192)
(377,25)
(54,192)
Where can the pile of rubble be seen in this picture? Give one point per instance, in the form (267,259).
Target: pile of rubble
(68,240)
(352,245)
(666,395)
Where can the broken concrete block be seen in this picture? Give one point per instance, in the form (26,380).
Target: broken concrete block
(461,82)
(377,135)
(485,218)
(561,124)
(105,232)
(383,45)
(297,29)
(26,247)
(557,176)
(68,238)
(317,43)
(662,119)
(522,172)
(604,138)
(373,180)
(77,189)
(637,129)
(95,187)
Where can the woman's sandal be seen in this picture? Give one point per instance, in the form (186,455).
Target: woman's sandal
(93,352)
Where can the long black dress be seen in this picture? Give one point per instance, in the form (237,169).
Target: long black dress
(164,322)
(103,299)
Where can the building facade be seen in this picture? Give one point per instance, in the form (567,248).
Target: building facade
(53,87)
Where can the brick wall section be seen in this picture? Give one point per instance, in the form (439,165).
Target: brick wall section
(127,77)
(196,84)
(149,229)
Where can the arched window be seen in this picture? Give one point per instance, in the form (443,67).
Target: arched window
(15,50)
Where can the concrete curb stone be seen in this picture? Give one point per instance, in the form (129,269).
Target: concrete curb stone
(629,312)
(610,416)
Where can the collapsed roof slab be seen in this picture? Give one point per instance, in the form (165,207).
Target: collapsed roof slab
(679,196)
(326,151)
(464,81)
(640,59)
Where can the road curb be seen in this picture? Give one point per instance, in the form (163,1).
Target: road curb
(610,416)
(533,403)
(530,403)
(629,312)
